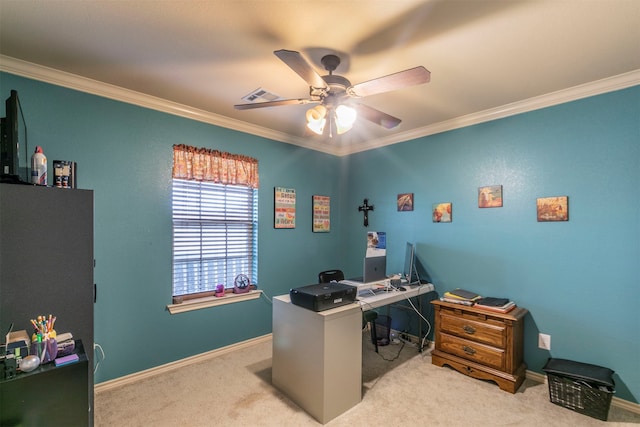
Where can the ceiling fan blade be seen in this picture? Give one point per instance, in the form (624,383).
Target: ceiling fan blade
(410,77)
(376,116)
(276,103)
(297,63)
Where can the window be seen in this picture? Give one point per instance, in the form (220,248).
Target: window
(215,225)
(214,236)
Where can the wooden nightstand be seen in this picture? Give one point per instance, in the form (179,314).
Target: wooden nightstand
(480,343)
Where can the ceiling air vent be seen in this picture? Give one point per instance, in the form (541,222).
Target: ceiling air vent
(260,95)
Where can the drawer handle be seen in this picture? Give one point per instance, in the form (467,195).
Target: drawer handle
(468,329)
(468,350)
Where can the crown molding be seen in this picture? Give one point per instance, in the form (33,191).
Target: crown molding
(610,84)
(105,90)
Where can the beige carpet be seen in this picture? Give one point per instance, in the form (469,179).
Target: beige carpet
(235,390)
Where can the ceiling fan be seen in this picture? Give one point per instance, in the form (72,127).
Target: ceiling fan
(334,94)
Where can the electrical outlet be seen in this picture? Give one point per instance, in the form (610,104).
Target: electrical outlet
(544,341)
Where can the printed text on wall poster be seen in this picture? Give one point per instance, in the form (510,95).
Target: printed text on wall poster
(284,207)
(321,214)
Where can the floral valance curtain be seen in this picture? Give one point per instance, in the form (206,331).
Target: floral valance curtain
(203,164)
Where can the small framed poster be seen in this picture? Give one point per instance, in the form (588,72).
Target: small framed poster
(405,202)
(284,215)
(490,196)
(441,212)
(321,214)
(553,208)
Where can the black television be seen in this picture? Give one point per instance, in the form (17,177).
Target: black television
(410,271)
(13,137)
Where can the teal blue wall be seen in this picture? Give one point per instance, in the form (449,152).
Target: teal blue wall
(124,153)
(579,279)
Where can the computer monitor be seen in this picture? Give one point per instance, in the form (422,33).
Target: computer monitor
(410,271)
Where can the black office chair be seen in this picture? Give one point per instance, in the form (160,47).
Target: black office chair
(330,276)
(368,316)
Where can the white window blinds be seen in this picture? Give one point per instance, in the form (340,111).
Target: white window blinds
(215,235)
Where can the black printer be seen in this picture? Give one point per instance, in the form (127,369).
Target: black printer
(323,296)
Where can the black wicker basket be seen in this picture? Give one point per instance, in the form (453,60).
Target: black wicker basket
(581,387)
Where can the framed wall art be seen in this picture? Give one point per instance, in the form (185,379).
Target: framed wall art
(442,212)
(321,214)
(553,208)
(284,215)
(490,196)
(405,202)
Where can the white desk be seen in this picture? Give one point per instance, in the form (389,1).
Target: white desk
(389,297)
(317,356)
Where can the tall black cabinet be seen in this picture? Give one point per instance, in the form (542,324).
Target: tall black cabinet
(46,263)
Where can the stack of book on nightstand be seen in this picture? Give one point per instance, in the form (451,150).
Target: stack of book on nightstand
(461,296)
(500,305)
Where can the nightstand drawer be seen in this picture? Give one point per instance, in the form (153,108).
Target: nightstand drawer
(471,350)
(484,332)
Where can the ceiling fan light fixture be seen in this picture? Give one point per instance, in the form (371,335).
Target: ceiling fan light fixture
(345,118)
(317,118)
(331,90)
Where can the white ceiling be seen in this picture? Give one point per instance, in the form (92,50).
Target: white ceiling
(485,57)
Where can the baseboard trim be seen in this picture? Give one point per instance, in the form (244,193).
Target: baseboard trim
(137,376)
(615,401)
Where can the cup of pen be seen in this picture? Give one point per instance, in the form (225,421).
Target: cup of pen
(43,341)
(46,350)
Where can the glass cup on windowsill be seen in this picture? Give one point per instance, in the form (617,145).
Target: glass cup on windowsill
(219,290)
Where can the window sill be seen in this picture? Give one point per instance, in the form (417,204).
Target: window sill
(207,302)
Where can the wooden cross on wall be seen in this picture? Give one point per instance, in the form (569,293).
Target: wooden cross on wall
(366,208)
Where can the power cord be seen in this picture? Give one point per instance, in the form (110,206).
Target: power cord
(268,299)
(423,318)
(396,356)
(99,347)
